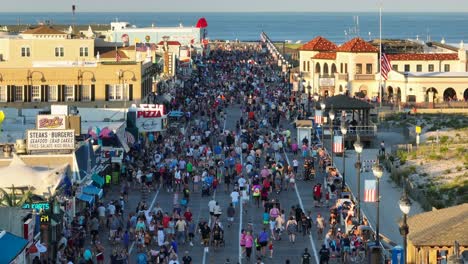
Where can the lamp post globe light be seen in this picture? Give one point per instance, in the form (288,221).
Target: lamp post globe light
(405,207)
(331,114)
(377,169)
(316,97)
(344,131)
(358,147)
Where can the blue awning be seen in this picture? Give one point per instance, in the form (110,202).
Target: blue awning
(98,179)
(86,198)
(93,190)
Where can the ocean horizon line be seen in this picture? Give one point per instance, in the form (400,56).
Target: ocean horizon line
(240,12)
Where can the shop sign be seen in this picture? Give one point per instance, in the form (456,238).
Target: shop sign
(50,139)
(37,206)
(150,118)
(328,82)
(50,122)
(116,154)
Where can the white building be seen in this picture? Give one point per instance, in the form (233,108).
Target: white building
(438,74)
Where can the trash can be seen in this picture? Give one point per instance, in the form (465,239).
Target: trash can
(374,255)
(398,255)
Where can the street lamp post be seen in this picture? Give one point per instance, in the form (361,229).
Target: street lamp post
(377,169)
(405,207)
(331,114)
(344,130)
(125,91)
(323,106)
(309,98)
(358,147)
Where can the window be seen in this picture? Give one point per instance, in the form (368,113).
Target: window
(18,93)
(431,68)
(303,66)
(308,66)
(407,67)
(3,94)
(341,67)
(395,67)
(419,68)
(69,92)
(369,68)
(346,68)
(25,52)
(359,68)
(446,67)
(59,52)
(52,94)
(85,92)
(36,93)
(116,92)
(84,52)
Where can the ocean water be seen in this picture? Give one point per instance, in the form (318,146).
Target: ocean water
(337,27)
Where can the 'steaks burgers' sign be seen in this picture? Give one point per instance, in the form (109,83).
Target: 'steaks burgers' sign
(50,122)
(50,139)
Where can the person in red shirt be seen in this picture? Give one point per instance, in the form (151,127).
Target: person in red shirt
(188,215)
(238,168)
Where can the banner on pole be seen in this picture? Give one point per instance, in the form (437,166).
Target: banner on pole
(338,144)
(370,191)
(318,118)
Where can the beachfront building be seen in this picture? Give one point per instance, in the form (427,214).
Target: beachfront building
(43,65)
(440,74)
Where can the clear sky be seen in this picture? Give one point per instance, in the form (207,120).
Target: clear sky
(234,5)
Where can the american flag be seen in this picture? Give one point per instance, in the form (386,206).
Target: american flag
(385,66)
(337,144)
(370,191)
(318,117)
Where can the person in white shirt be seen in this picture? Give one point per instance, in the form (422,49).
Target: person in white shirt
(242,181)
(235,197)
(295,165)
(211,206)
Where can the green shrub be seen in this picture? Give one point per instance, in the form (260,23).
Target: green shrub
(459,168)
(444,139)
(434,156)
(403,156)
(443,149)
(447,171)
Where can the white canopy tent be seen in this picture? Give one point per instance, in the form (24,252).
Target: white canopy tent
(39,180)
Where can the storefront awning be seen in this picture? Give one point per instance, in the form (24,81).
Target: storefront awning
(86,198)
(93,190)
(98,180)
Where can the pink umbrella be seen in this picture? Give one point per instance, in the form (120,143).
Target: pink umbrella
(105,133)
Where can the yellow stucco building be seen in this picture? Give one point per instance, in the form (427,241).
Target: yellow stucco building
(434,76)
(44,65)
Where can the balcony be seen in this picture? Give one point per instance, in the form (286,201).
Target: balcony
(327,76)
(364,77)
(343,77)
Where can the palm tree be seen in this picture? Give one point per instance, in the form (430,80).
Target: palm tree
(12,199)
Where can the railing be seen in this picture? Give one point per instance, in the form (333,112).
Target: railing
(448,104)
(370,130)
(343,77)
(327,76)
(364,77)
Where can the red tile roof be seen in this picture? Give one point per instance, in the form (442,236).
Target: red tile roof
(357,45)
(111,55)
(422,56)
(325,56)
(44,30)
(170,43)
(319,44)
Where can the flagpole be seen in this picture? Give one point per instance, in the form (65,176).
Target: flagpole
(380,55)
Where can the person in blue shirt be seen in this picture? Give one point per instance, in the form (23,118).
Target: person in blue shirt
(142,258)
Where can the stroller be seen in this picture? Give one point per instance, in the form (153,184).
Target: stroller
(205,189)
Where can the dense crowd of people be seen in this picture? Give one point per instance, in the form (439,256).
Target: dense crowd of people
(200,157)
